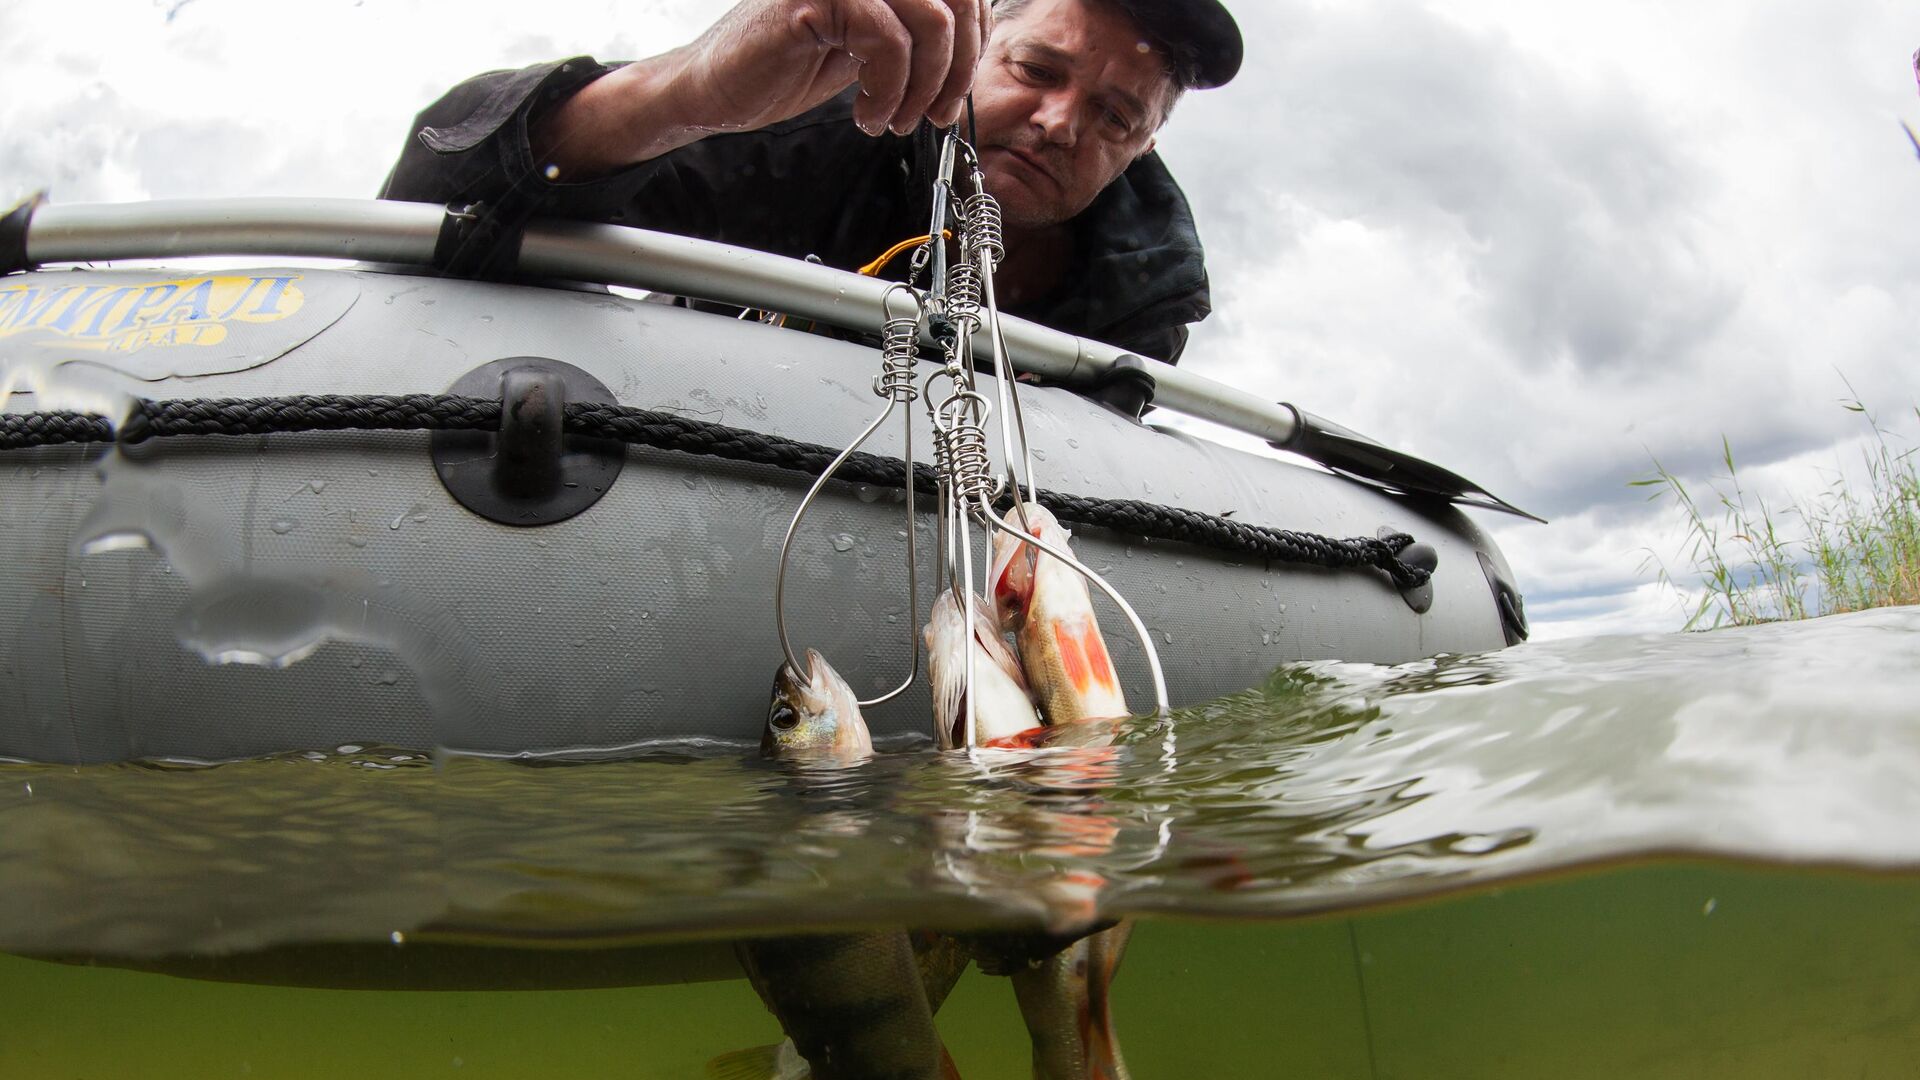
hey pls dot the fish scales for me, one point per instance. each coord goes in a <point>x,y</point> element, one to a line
<point>853,1004</point>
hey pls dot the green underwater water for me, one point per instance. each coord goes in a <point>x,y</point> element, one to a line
<point>1646,970</point>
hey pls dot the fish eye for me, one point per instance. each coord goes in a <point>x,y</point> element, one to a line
<point>784,718</point>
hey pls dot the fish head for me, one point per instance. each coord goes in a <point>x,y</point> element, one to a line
<point>1010,581</point>
<point>1002,703</point>
<point>815,716</point>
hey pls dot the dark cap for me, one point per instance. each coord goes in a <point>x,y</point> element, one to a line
<point>1198,36</point>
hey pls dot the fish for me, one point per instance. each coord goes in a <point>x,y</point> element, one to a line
<point>1065,1001</point>
<point>815,717</point>
<point>1003,712</point>
<point>1044,603</point>
<point>854,1006</point>
<point>941,959</point>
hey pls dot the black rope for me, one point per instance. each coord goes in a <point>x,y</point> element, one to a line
<point>671,431</point>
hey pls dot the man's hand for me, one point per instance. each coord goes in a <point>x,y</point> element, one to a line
<point>766,61</point>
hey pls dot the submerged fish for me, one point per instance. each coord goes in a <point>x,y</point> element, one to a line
<point>941,960</point>
<point>815,717</point>
<point>1044,602</point>
<point>1002,705</point>
<point>853,1006</point>
<point>1064,1000</point>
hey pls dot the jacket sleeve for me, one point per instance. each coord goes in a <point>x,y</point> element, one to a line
<point>472,145</point>
<point>1166,343</point>
<point>759,189</point>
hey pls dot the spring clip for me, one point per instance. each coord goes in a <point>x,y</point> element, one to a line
<point>958,304</point>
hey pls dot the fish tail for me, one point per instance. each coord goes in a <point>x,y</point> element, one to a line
<point>1103,963</point>
<point>779,1061</point>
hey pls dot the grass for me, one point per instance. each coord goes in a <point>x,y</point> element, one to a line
<point>1848,548</point>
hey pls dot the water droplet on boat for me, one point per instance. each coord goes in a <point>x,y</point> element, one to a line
<point>867,493</point>
<point>318,486</point>
<point>1166,636</point>
<point>1039,454</point>
<point>128,540</point>
<point>397,938</point>
<point>356,540</point>
<point>1266,639</point>
<point>1283,609</point>
<point>356,661</point>
<point>578,643</point>
<point>1707,908</point>
<point>283,526</point>
<point>395,523</point>
<point>1075,443</point>
<point>843,542</point>
<point>388,678</point>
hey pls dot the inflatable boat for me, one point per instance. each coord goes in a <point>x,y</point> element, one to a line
<point>247,509</point>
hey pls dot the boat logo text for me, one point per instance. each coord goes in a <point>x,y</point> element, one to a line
<point>125,317</point>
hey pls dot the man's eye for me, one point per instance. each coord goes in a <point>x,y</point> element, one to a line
<point>1035,72</point>
<point>1118,122</point>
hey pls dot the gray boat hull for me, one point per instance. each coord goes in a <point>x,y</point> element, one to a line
<point>231,596</point>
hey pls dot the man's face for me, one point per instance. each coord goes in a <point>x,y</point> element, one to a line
<point>1067,96</point>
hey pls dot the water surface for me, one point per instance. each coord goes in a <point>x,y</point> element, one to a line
<point>1652,855</point>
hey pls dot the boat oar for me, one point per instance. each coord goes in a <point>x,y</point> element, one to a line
<point>1352,454</point>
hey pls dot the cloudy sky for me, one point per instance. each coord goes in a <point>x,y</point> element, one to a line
<point>1539,243</point>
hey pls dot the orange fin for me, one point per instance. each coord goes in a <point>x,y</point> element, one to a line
<point>1098,662</point>
<point>1073,658</point>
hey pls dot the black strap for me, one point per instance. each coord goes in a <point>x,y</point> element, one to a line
<point>672,431</point>
<point>478,241</point>
<point>13,235</point>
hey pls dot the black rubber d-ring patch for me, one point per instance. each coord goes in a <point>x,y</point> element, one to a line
<point>528,472</point>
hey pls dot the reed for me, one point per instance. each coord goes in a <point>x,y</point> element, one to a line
<point>1848,547</point>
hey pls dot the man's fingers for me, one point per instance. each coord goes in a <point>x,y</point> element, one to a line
<point>931,24</point>
<point>877,38</point>
<point>973,20</point>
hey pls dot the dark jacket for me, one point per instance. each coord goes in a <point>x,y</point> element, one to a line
<point>812,185</point>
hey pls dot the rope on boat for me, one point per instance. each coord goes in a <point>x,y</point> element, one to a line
<point>670,431</point>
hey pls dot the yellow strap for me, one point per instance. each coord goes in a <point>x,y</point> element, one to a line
<point>873,268</point>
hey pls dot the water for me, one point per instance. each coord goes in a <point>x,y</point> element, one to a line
<point>1675,855</point>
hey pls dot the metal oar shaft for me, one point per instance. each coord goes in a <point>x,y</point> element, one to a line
<point>397,232</point>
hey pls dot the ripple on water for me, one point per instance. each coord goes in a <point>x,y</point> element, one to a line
<point>1331,785</point>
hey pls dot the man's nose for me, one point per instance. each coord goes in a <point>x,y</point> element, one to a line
<point>1058,117</point>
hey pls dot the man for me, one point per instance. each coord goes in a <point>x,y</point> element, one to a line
<point>797,126</point>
